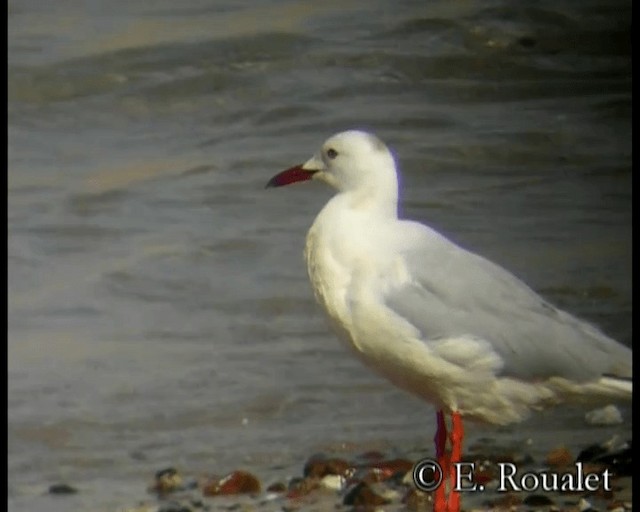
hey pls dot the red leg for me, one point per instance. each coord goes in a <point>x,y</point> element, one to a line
<point>457,435</point>
<point>439,496</point>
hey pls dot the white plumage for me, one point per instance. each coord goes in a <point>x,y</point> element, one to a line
<point>438,321</point>
<point>435,319</point>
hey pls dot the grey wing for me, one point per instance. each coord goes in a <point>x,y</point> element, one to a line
<point>455,293</point>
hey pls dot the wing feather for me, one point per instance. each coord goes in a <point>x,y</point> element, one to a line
<point>453,293</point>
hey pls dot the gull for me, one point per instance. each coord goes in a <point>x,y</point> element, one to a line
<point>436,320</point>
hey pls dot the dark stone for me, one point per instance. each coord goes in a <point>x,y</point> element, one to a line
<point>166,472</point>
<point>60,489</point>
<point>361,495</point>
<point>277,487</point>
<point>620,462</point>
<point>537,500</point>
<point>590,453</point>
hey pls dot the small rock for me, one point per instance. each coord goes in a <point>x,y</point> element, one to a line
<point>559,457</point>
<point>361,495</point>
<point>609,415</point>
<point>483,476</point>
<point>166,481</point>
<point>372,455</point>
<point>538,500</point>
<point>416,501</point>
<point>277,487</point>
<point>590,453</point>
<point>299,487</point>
<point>584,505</point>
<point>619,461</point>
<point>389,468</point>
<point>61,489</point>
<point>237,482</point>
<point>367,475</point>
<point>407,479</point>
<point>317,467</point>
<point>333,482</point>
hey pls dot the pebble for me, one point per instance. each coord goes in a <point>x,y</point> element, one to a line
<point>166,481</point>
<point>318,466</point>
<point>372,455</point>
<point>333,482</point>
<point>299,487</point>
<point>584,505</point>
<point>483,476</point>
<point>537,500</point>
<point>61,489</point>
<point>389,468</point>
<point>371,482</point>
<point>277,487</point>
<point>361,495</point>
<point>237,482</point>
<point>590,453</point>
<point>609,455</point>
<point>559,457</point>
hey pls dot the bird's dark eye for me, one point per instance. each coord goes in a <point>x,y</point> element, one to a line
<point>332,153</point>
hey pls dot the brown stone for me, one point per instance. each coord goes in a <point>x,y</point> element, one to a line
<point>388,468</point>
<point>616,504</point>
<point>317,468</point>
<point>483,476</point>
<point>559,457</point>
<point>416,501</point>
<point>369,476</point>
<point>237,482</point>
<point>372,455</point>
<point>301,487</point>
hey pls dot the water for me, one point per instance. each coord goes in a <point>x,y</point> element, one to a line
<point>159,310</point>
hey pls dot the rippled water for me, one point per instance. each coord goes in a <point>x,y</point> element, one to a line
<point>159,311</point>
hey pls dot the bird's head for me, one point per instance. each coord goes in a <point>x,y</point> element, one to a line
<point>348,161</point>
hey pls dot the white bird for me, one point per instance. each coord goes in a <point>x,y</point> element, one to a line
<point>435,319</point>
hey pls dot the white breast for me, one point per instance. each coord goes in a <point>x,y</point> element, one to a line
<point>329,278</point>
